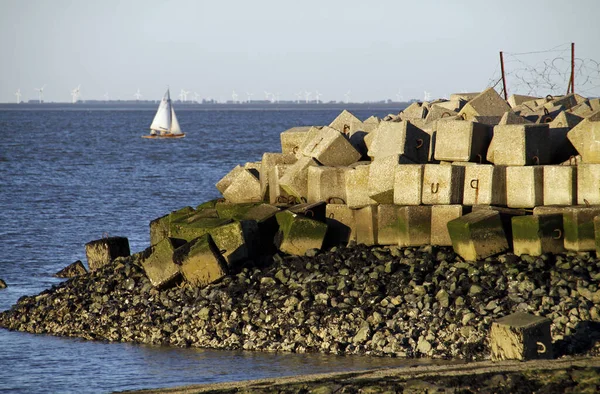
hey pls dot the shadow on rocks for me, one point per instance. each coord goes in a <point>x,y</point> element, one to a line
<point>585,337</point>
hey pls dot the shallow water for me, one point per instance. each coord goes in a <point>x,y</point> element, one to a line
<point>68,177</point>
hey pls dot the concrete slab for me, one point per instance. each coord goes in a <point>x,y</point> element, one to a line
<point>314,210</point>
<point>535,235</point>
<point>102,251</point>
<point>521,336</point>
<point>365,219</point>
<point>311,134</point>
<point>487,103</point>
<point>295,180</point>
<point>299,233</point>
<point>331,148</point>
<point>438,111</point>
<point>460,140</point>
<point>588,184</point>
<point>478,235</point>
<point>399,138</point>
<point>443,184</point>
<point>190,228</point>
<point>578,224</point>
<point>585,137</point>
<point>524,186</point>
<point>158,264</point>
<point>414,225</point>
<point>560,185</point>
<point>327,184</point>
<point>270,160</point>
<point>201,262</point>
<point>408,184</point>
<point>388,229</point>
<point>485,184</point>
<point>357,187</point>
<point>292,139</point>
<point>519,145</point>
<point>245,187</point>
<point>440,216</point>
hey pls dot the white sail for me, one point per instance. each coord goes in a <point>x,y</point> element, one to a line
<point>175,129</point>
<point>162,119</point>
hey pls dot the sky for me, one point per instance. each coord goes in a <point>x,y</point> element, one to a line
<point>353,50</point>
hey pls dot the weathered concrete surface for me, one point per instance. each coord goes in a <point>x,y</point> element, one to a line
<point>381,178</point>
<point>521,336</point>
<point>244,187</point>
<point>158,264</point>
<point>520,145</point>
<point>408,184</point>
<point>365,219</point>
<point>538,234</point>
<point>578,223</point>
<point>414,224</point>
<point>224,183</point>
<point>72,270</point>
<point>524,186</point>
<point>440,216</point>
<point>160,227</point>
<point>485,184</point>
<point>518,99</point>
<point>292,139</point>
<point>237,241</point>
<point>588,184</point>
<point>560,185</point>
<point>346,123</point>
<point>268,162</point>
<point>341,227</point>
<point>562,148</point>
<point>105,250</point>
<point>295,179</point>
<point>486,103</point>
<point>478,235</point>
<point>327,184</point>
<point>399,138</point>
<point>388,228</point>
<point>357,187</point>
<point>331,148</point>
<point>201,262</point>
<point>585,137</point>
<point>443,184</point>
<point>299,233</point>
<point>276,192</point>
<point>460,140</point>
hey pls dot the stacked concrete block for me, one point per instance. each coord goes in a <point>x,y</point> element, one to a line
<point>387,224</point>
<point>331,148</point>
<point>478,235</point>
<point>518,99</point>
<point>597,234</point>
<point>524,186</point>
<point>295,180</point>
<point>414,225</point>
<point>327,184</point>
<point>346,123</point>
<point>519,145</point>
<point>244,187</point>
<point>408,184</point>
<point>521,336</point>
<point>224,183</point>
<point>460,140</point>
<point>585,137</point>
<point>201,261</point>
<point>189,228</point>
<point>311,134</point>
<point>158,264</point>
<point>276,193</point>
<point>341,227</point>
<point>485,184</point>
<point>381,178</point>
<point>102,251</point>
<point>237,241</point>
<point>440,216</point>
<point>487,103</point>
<point>399,138</point>
<point>562,148</point>
<point>299,233</point>
<point>537,234</point>
<point>559,185</point>
<point>588,184</point>
<point>292,139</point>
<point>357,187</point>
<point>510,117</point>
<point>578,224</point>
<point>270,160</point>
<point>439,111</point>
<point>414,111</point>
<point>443,184</point>
<point>365,219</point>
<point>160,227</point>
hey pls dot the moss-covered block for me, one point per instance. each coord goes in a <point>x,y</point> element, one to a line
<point>388,229</point>
<point>201,262</point>
<point>440,216</point>
<point>578,224</point>
<point>299,233</point>
<point>414,225</point>
<point>159,228</point>
<point>237,241</point>
<point>341,227</point>
<point>210,204</point>
<point>188,230</point>
<point>102,251</point>
<point>158,264</point>
<point>478,235</point>
<point>535,235</point>
<point>244,211</point>
<point>521,336</point>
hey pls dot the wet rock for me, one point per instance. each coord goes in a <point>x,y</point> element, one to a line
<point>3,284</point>
<point>72,270</point>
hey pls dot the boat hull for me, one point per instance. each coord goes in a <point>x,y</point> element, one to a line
<point>164,136</point>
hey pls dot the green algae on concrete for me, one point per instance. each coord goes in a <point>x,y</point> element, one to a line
<point>578,223</point>
<point>102,251</point>
<point>201,262</point>
<point>245,211</point>
<point>478,235</point>
<point>299,233</point>
<point>414,225</point>
<point>237,241</point>
<point>159,228</point>
<point>440,216</point>
<point>536,235</point>
<point>158,264</point>
<point>197,228</point>
<point>388,229</point>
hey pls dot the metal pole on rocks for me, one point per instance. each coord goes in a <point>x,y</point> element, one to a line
<point>503,76</point>
<point>572,67</point>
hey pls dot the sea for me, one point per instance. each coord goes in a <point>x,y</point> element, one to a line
<point>70,175</point>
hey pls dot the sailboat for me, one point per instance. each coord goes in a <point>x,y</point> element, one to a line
<point>165,124</point>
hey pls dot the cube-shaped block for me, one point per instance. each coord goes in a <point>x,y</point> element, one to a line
<point>578,224</point>
<point>295,180</point>
<point>158,264</point>
<point>237,241</point>
<point>486,103</point>
<point>270,160</point>
<point>485,184</point>
<point>521,336</point>
<point>538,234</point>
<point>408,184</point>
<point>292,139</point>
<point>357,187</point>
<point>478,235</point>
<point>276,193</point>
<point>519,145</point>
<point>244,187</point>
<point>247,211</point>
<point>365,220</point>
<point>414,224</point>
<point>341,227</point>
<point>102,251</point>
<point>462,140</point>
<point>189,228</point>
<point>588,184</point>
<point>331,148</point>
<point>399,138</point>
<point>201,262</point>
<point>443,184</point>
<point>440,216</point>
<point>560,185</point>
<point>381,179</point>
<point>524,186</point>
<point>346,123</point>
<point>160,227</point>
<point>327,184</point>
<point>299,233</point>
<point>224,183</point>
<point>388,229</point>
<point>585,137</point>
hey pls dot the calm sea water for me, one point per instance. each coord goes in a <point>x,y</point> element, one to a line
<point>69,176</point>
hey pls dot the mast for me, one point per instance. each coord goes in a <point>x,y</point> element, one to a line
<point>162,119</point>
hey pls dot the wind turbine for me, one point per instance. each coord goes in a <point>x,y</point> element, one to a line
<point>18,94</point>
<point>249,96</point>
<point>75,94</point>
<point>234,96</point>
<point>347,95</point>
<point>427,96</point>
<point>106,96</point>
<point>138,95</point>
<point>41,93</point>
<point>183,95</point>
<point>307,96</point>
<point>196,97</point>
<point>318,94</point>
<point>269,96</point>
<point>399,96</point>
<point>298,97</point>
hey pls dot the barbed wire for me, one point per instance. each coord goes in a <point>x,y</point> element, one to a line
<point>539,73</point>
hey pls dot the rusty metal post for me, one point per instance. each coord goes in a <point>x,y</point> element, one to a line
<point>572,67</point>
<point>503,76</point>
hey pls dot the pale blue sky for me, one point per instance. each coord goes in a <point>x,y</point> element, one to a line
<point>375,49</point>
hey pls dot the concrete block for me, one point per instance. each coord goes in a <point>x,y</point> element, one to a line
<point>245,211</point>
<point>568,101</point>
<point>399,138</point>
<point>201,262</point>
<point>72,270</point>
<point>314,210</point>
<point>440,216</point>
<point>414,111</point>
<point>478,235</point>
<point>510,117</point>
<point>438,111</point>
<point>519,145</point>
<point>158,264</point>
<point>443,184</point>
<point>276,193</point>
<point>485,184</point>
<point>346,123</point>
<point>408,184</point>
<point>464,96</point>
<point>245,187</point>
<point>486,103</point>
<point>270,160</point>
<point>560,185</point>
<point>160,227</point>
<point>518,99</point>
<point>357,187</point>
<point>388,227</point>
<point>237,241</point>
<point>535,235</point>
<point>295,180</point>
<point>299,233</point>
<point>341,227</point>
<point>381,179</point>
<point>578,224</point>
<point>524,186</point>
<point>585,137</point>
<point>414,224</point>
<point>331,148</point>
<point>189,228</point>
<point>292,139</point>
<point>562,148</point>
<point>224,183</point>
<point>365,220</point>
<point>461,140</point>
<point>521,336</point>
<point>102,251</point>
<point>588,184</point>
<point>327,184</point>
<point>597,234</point>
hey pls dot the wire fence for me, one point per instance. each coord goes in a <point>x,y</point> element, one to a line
<point>539,73</point>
